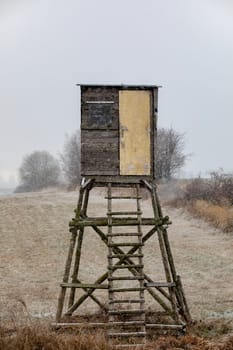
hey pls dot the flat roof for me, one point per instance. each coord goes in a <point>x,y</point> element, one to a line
<point>123,86</point>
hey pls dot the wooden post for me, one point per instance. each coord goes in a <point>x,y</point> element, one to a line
<point>174,292</point>
<point>81,210</point>
<point>66,276</point>
<point>167,260</point>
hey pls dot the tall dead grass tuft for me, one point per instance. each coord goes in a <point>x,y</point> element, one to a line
<point>41,337</point>
<point>220,216</point>
<point>210,199</point>
<point>228,345</point>
<point>188,342</point>
<point>211,329</point>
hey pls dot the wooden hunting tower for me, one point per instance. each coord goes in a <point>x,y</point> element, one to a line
<point>118,129</point>
<point>118,144</point>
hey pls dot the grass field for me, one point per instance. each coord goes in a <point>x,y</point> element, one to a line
<point>34,240</point>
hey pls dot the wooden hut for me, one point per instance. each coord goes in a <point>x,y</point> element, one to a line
<point>118,131</point>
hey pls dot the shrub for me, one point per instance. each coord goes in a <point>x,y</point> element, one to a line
<point>217,190</point>
<point>37,171</point>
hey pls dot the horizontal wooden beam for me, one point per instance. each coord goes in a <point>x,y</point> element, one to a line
<point>127,221</point>
<point>166,326</point>
<point>160,284</point>
<point>84,285</point>
<point>118,180</point>
<point>110,324</point>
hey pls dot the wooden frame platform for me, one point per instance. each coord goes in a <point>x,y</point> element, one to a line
<point>168,294</point>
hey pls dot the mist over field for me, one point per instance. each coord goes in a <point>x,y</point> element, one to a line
<point>35,244</point>
<point>5,191</point>
<point>49,47</point>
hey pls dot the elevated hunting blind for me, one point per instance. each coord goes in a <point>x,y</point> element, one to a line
<point>118,144</point>
<point>118,129</point>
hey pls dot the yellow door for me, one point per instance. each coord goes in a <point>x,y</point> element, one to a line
<point>135,149</point>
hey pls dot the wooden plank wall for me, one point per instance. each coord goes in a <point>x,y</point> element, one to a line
<point>100,131</point>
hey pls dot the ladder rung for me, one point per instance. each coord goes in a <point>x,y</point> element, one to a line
<point>133,289</point>
<point>117,221</point>
<point>124,213</point>
<point>128,266</point>
<point>84,285</point>
<point>126,278</point>
<point>160,284</point>
<point>128,301</point>
<point>127,346</point>
<point>130,334</point>
<point>127,244</point>
<point>124,197</point>
<point>125,255</point>
<point>166,326</point>
<point>126,312</point>
<point>126,323</point>
<point>120,234</point>
<point>120,324</point>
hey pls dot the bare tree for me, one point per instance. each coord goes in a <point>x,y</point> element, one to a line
<point>38,170</point>
<point>170,155</point>
<point>70,159</point>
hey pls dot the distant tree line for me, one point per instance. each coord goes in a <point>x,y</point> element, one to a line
<point>41,170</point>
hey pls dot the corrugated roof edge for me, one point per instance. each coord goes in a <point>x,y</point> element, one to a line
<point>121,85</point>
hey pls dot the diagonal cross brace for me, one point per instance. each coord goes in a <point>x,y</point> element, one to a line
<point>126,259</point>
<point>121,261</point>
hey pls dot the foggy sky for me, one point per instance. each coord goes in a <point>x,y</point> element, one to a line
<point>47,46</point>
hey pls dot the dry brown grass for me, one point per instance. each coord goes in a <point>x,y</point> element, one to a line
<point>33,245</point>
<point>209,199</point>
<point>211,330</point>
<point>220,216</point>
<point>42,337</point>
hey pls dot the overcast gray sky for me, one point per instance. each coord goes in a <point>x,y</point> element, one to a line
<point>47,46</point>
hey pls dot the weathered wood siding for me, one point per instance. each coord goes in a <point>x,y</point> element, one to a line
<point>154,119</point>
<point>100,152</point>
<point>100,131</point>
<point>106,149</point>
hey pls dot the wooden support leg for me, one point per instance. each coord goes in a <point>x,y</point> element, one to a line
<point>178,290</point>
<point>66,276</point>
<point>81,210</point>
<point>74,231</point>
<point>167,260</point>
<point>185,308</point>
<point>168,274</point>
<point>166,255</point>
<point>76,266</point>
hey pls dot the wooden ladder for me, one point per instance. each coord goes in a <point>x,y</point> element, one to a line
<point>127,281</point>
<point>126,315</point>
